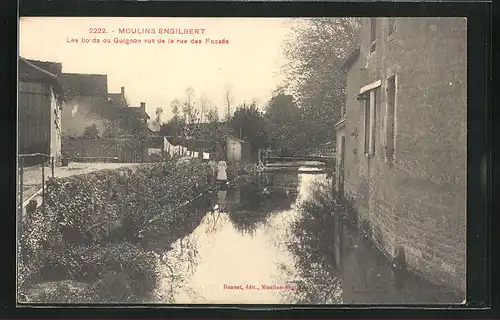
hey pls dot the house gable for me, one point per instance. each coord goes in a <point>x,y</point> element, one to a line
<point>31,71</point>
<point>93,85</point>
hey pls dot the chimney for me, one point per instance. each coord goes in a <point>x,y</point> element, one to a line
<point>143,106</point>
<point>123,91</point>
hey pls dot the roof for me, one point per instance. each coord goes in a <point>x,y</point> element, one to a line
<point>192,144</point>
<point>351,59</point>
<point>174,140</point>
<point>76,84</point>
<point>52,67</point>
<point>136,111</point>
<point>153,127</point>
<point>31,70</point>
<point>102,106</point>
<point>116,99</point>
<point>234,138</point>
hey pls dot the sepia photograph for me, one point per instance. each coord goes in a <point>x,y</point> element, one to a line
<point>296,161</point>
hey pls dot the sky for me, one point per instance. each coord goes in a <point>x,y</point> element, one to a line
<point>156,73</point>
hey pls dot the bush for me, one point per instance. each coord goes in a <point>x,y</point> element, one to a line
<point>66,291</point>
<point>91,226</point>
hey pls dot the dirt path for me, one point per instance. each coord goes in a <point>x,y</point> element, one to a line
<point>32,176</point>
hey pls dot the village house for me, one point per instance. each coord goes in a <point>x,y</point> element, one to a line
<point>132,119</point>
<point>87,104</point>
<point>101,125</point>
<point>401,143</point>
<point>118,100</point>
<point>39,109</point>
<point>237,149</point>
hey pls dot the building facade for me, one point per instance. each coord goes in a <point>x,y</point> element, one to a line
<point>39,109</point>
<point>401,143</point>
<point>237,149</point>
<point>87,104</point>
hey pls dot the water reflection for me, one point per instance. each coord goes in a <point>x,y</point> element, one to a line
<point>254,201</point>
<point>282,230</point>
<point>337,264</point>
<point>314,246</point>
<point>368,277</point>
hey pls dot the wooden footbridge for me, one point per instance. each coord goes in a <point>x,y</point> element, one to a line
<point>324,159</point>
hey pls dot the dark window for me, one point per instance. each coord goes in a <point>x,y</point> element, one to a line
<point>370,121</point>
<point>373,34</point>
<point>373,123</point>
<point>341,166</point>
<point>367,123</point>
<point>391,106</point>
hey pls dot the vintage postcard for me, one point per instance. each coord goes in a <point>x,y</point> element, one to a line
<point>315,161</point>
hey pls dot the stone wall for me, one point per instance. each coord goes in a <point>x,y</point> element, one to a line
<point>417,200</point>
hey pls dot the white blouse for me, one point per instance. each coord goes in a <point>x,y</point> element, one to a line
<point>221,170</point>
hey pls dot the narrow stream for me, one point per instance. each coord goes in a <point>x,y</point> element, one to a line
<point>242,253</point>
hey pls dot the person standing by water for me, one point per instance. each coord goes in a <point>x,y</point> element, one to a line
<point>213,166</point>
<point>222,174</point>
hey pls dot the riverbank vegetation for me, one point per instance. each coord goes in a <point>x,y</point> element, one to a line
<point>89,242</point>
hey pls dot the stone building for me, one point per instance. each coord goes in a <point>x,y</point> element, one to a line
<point>401,142</point>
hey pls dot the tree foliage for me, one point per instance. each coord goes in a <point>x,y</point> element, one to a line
<point>317,52</point>
<point>284,125</point>
<point>91,132</point>
<point>175,105</point>
<point>191,115</point>
<point>250,122</point>
<point>173,127</point>
<point>158,117</point>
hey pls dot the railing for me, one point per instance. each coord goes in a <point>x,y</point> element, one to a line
<point>43,157</point>
<point>96,159</point>
<point>298,158</point>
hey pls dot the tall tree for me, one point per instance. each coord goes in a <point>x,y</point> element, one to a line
<point>228,97</point>
<point>249,122</point>
<point>317,50</point>
<point>187,108</point>
<point>204,106</point>
<point>212,115</point>
<point>157,122</point>
<point>284,125</point>
<point>140,136</point>
<point>175,126</point>
<point>176,105</point>
<point>192,115</point>
<point>214,130</point>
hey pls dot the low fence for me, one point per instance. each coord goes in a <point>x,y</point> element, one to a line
<point>43,159</point>
<point>103,150</point>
